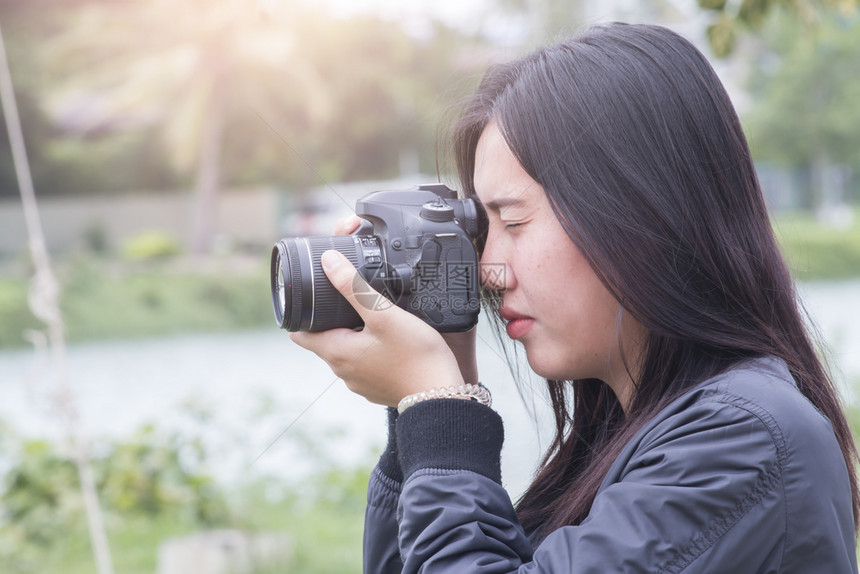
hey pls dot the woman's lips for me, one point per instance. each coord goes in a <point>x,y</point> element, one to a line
<point>519,327</point>
<point>518,324</point>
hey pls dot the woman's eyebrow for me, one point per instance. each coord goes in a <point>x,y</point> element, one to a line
<point>497,204</point>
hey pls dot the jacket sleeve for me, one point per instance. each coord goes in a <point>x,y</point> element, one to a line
<point>381,554</point>
<point>688,484</point>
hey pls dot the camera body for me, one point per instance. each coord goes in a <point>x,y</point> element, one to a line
<point>415,246</point>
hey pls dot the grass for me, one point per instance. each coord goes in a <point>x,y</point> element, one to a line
<point>103,300</point>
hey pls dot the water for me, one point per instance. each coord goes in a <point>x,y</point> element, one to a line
<point>260,387</point>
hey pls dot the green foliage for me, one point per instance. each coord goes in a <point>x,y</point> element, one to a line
<point>817,251</point>
<point>151,245</point>
<point>806,92</point>
<point>730,19</point>
<point>149,478</point>
<point>153,473</point>
<point>722,35</point>
<point>40,498</point>
<point>155,485</point>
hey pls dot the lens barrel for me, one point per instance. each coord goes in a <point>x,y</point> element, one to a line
<point>302,296</point>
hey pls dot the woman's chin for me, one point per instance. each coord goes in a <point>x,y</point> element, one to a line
<point>544,365</point>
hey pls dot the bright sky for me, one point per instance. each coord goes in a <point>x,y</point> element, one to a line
<point>491,21</point>
<point>482,17</point>
<point>486,18</point>
<point>451,11</point>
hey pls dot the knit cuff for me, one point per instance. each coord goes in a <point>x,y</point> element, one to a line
<point>388,462</point>
<point>450,434</point>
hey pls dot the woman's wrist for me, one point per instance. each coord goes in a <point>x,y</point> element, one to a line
<point>450,435</point>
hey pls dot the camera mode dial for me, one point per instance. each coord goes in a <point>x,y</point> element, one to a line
<point>437,211</point>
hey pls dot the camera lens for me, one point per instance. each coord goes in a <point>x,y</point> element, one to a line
<point>281,301</point>
<point>302,296</point>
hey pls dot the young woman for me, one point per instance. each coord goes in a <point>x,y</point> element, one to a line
<point>697,430</point>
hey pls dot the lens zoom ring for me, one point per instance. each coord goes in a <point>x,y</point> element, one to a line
<point>330,308</point>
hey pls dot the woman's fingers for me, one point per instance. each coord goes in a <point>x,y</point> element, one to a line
<point>349,283</point>
<point>347,225</point>
<point>395,355</point>
<point>340,348</point>
<point>358,293</point>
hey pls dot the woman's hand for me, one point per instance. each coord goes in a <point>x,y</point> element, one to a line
<point>396,354</point>
<point>461,344</point>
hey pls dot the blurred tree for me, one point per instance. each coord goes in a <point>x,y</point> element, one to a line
<point>729,19</point>
<point>805,91</point>
<point>63,163</point>
<point>271,92</point>
<point>185,67</point>
<point>15,17</point>
<point>388,91</point>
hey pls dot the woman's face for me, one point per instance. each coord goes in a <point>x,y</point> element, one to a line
<point>552,300</point>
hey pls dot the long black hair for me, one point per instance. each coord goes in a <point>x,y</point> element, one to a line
<point>637,146</point>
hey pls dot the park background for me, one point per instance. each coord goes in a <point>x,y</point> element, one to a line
<point>171,143</point>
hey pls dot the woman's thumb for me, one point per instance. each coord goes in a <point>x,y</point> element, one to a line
<point>339,274</point>
<point>349,282</point>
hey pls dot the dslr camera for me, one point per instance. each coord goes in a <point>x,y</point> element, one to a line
<point>417,247</point>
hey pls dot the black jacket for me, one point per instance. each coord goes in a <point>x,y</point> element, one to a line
<point>741,474</point>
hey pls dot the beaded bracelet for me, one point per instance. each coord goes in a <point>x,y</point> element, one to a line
<point>469,391</point>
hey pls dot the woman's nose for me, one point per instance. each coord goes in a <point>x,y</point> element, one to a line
<point>496,275</point>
